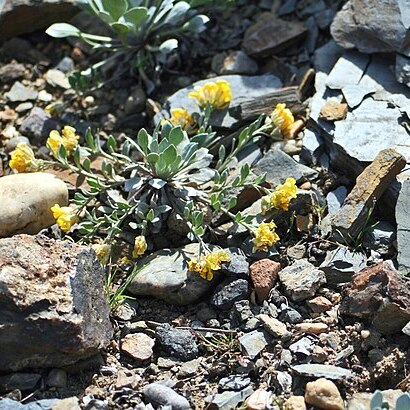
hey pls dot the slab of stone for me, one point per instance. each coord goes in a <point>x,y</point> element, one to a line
<point>57,78</point>
<point>234,382</point>
<point>25,202</point>
<point>326,56</point>
<point>381,295</point>
<point>228,400</point>
<point>254,342</point>
<point>236,62</point>
<point>278,166</point>
<point>370,185</point>
<point>403,227</point>
<point>242,88</point>
<point>322,370</point>
<point>20,381</point>
<point>52,293</point>
<point>38,124</point>
<point>335,199</point>
<point>19,92</point>
<point>161,395</point>
<point>381,237</point>
<point>301,280</point>
<point>271,35</point>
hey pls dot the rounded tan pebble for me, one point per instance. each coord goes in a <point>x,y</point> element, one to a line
<point>324,394</point>
<point>365,334</point>
<point>315,328</point>
<point>138,346</point>
<point>295,403</point>
<point>319,304</point>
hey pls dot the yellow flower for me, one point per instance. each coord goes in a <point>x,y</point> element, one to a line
<point>282,118</point>
<point>283,194</point>
<point>68,138</point>
<point>181,117</point>
<point>125,260</point>
<point>265,236</point>
<point>205,265</point>
<point>65,216</point>
<point>216,94</point>
<point>23,159</point>
<point>140,246</point>
<point>102,251</point>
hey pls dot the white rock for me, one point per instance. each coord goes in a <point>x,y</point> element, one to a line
<point>25,202</point>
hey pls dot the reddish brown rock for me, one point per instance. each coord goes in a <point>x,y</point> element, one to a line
<point>264,274</point>
<point>138,346</point>
<point>380,294</point>
<point>333,111</point>
<point>319,304</point>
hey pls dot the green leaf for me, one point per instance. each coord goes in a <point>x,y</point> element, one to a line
<point>177,15</point>
<point>199,230</point>
<point>197,24</point>
<point>89,139</point>
<point>106,17</point>
<point>244,171</point>
<point>143,140</point>
<point>169,155</point>
<point>62,153</point>
<point>197,217</point>
<point>168,46</point>
<point>76,157</point>
<point>136,16</point>
<point>87,165</point>
<point>232,203</point>
<point>238,217</point>
<point>116,8</point>
<point>150,215</point>
<point>121,28</point>
<point>61,30</point>
<point>111,144</point>
<point>176,136</point>
<point>152,157</point>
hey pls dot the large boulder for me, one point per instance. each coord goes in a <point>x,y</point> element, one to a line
<point>24,16</point>
<point>53,311</point>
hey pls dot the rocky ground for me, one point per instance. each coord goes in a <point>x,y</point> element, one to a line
<point>322,321</point>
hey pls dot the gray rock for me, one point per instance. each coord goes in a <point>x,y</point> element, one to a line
<point>301,280</point>
<point>403,227</point>
<point>160,395</point>
<point>303,346</point>
<point>165,275</point>
<point>52,292</point>
<point>23,107</point>
<point>278,166</point>
<point>406,329</point>
<point>178,343</point>
<point>242,311</point>
<point>45,404</point>
<point>228,292</point>
<point>20,381</point>
<point>189,369</point>
<point>19,92</point>
<point>403,69</point>
<point>38,124</point>
<point>20,50</point>
<point>335,199</point>
<point>12,143</point>
<point>326,56</point>
<point>11,72</point>
<point>380,238</point>
<point>341,264</point>
<point>238,266</point>
<point>287,7</point>
<point>66,65</point>
<point>322,370</point>
<point>57,78</point>
<point>234,382</point>
<point>57,378</point>
<point>312,35</point>
<point>254,342</point>
<point>242,88</point>
<point>290,315</point>
<point>313,147</point>
<point>229,399</point>
<point>26,199</point>
<point>236,62</point>
<point>251,324</point>
<point>136,101</point>
<point>25,16</point>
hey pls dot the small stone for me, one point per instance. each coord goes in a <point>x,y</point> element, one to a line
<point>160,395</point>
<point>20,92</point>
<point>296,251</point>
<point>234,382</point>
<point>57,78</point>
<point>322,370</point>
<point>242,311</point>
<point>189,369</point>
<point>319,355</point>
<point>290,315</point>
<point>319,304</point>
<point>295,403</point>
<point>302,346</point>
<point>138,346</point>
<point>259,400</point>
<point>8,115</point>
<point>251,324</point>
<point>44,96</point>
<point>71,403</point>
<point>177,342</point>
<point>254,342</point>
<point>301,280</point>
<point>381,237</point>
<point>273,326</point>
<point>228,292</point>
<point>236,62</point>
<point>135,102</point>
<point>38,124</point>
<point>324,394</point>
<point>57,378</point>
<point>127,378</point>
<point>25,202</point>
<point>333,111</point>
<point>229,399</point>
<point>20,381</point>
<point>335,199</point>
<point>315,328</point>
<point>264,273</point>
<point>23,107</point>
<point>11,72</point>
<point>66,65</point>
<point>12,143</point>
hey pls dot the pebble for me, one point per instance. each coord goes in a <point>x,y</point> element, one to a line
<point>126,378</point>
<point>322,370</point>
<point>12,143</point>
<point>25,202</point>
<point>135,102</point>
<point>20,92</point>
<point>274,326</point>
<point>324,394</point>
<point>189,369</point>
<point>160,395</point>
<point>264,274</point>
<point>333,111</point>
<point>319,304</point>
<point>11,72</point>
<point>44,96</point>
<point>38,124</point>
<point>57,78</point>
<point>234,382</point>
<point>138,346</point>
<point>315,328</point>
<point>254,342</point>
<point>228,292</point>
<point>290,315</point>
<point>177,342</point>
<point>66,65</point>
<point>295,403</point>
<point>57,378</point>
<point>259,400</point>
<point>229,399</point>
<point>23,107</point>
<point>236,62</point>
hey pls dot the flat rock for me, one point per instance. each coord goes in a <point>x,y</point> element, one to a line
<point>370,185</point>
<point>273,326</point>
<point>403,227</point>
<point>25,16</point>
<point>271,35</point>
<point>45,404</point>
<point>322,370</point>
<point>236,62</point>
<point>11,72</point>
<point>20,92</point>
<point>228,400</point>
<point>52,292</point>
<point>57,78</point>
<point>335,199</point>
<point>165,276</point>
<point>278,166</point>
<point>25,202</point>
<point>138,346</point>
<point>301,280</point>
<point>381,295</point>
<point>333,111</point>
<point>254,342</point>
<point>38,124</point>
<point>234,382</point>
<point>326,56</point>
<point>242,88</point>
<point>160,395</point>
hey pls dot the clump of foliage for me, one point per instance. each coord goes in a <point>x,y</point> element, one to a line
<point>377,403</point>
<point>144,32</point>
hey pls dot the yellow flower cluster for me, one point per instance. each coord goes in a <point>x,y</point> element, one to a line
<point>140,246</point>
<point>68,138</point>
<point>102,251</point>
<point>181,117</point>
<point>23,159</point>
<point>65,216</point>
<point>216,94</point>
<point>281,197</point>
<point>206,265</point>
<point>282,118</point>
<point>265,236</point>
